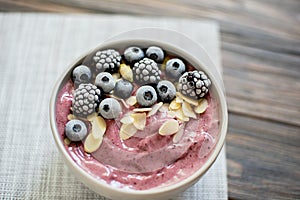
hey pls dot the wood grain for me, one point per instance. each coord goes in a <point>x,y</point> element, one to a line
<point>261,59</point>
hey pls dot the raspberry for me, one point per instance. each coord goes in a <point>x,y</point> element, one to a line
<point>86,99</point>
<point>146,71</point>
<point>194,84</point>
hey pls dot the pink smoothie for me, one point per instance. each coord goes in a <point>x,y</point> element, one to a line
<point>147,159</point>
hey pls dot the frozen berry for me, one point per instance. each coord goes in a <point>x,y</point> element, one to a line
<point>106,60</point>
<point>133,54</point>
<point>105,81</point>
<point>81,74</point>
<point>86,99</point>
<point>175,68</point>
<point>146,96</point>
<point>123,89</point>
<point>194,84</point>
<point>166,91</point>
<point>146,71</point>
<point>110,108</point>
<point>75,130</point>
<point>155,53</point>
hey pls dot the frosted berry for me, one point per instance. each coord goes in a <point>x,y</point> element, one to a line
<point>155,53</point>
<point>106,60</point>
<point>146,96</point>
<point>110,108</point>
<point>133,54</point>
<point>123,89</point>
<point>81,74</point>
<point>175,68</point>
<point>146,71</point>
<point>194,84</point>
<point>86,99</point>
<point>75,130</point>
<point>166,91</point>
<point>105,81</point>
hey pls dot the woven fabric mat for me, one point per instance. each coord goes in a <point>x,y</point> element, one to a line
<point>36,49</point>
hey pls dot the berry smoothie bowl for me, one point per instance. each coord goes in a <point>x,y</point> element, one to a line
<point>139,118</point>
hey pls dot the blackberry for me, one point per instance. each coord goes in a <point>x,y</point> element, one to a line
<point>146,71</point>
<point>194,84</point>
<point>106,60</point>
<point>86,100</point>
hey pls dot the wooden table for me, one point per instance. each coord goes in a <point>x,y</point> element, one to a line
<point>260,50</point>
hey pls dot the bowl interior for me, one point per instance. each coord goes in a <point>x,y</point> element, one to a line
<point>113,192</point>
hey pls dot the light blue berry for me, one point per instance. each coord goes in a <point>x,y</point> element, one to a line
<point>75,130</point>
<point>175,68</point>
<point>166,91</point>
<point>133,54</point>
<point>105,81</point>
<point>155,53</point>
<point>110,108</point>
<point>146,95</point>
<point>81,74</point>
<point>123,89</point>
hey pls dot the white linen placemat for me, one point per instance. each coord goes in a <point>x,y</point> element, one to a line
<point>35,50</point>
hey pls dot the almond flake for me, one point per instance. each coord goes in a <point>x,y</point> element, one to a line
<point>116,76</point>
<point>187,99</point>
<point>164,107</point>
<point>178,100</point>
<point>131,100</point>
<point>174,105</point>
<point>127,120</point>
<point>91,144</point>
<point>201,107</point>
<point>139,120</point>
<point>126,72</point>
<point>98,127</point>
<point>127,131</point>
<point>155,108</point>
<point>71,117</point>
<point>180,115</point>
<point>142,109</point>
<point>177,137</point>
<point>67,141</point>
<point>170,127</point>
<point>171,114</point>
<point>187,110</point>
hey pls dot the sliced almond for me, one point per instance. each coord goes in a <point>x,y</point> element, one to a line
<point>126,72</point>
<point>155,108</point>
<point>164,107</point>
<point>127,120</point>
<point>188,110</point>
<point>174,105</point>
<point>178,100</point>
<point>91,144</point>
<point>139,120</point>
<point>170,127</point>
<point>201,107</point>
<point>142,109</point>
<point>187,99</point>
<point>116,76</point>
<point>131,100</point>
<point>92,117</point>
<point>71,117</point>
<point>67,141</point>
<point>171,114</point>
<point>180,115</point>
<point>177,137</point>
<point>127,131</point>
<point>98,127</point>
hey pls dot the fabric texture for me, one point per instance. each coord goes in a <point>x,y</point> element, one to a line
<point>36,49</point>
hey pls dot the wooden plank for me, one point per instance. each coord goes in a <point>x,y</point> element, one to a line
<point>263,159</point>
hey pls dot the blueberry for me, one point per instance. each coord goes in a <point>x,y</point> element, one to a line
<point>155,53</point>
<point>175,68</point>
<point>75,130</point>
<point>105,81</point>
<point>133,54</point>
<point>166,91</point>
<point>110,108</point>
<point>81,74</point>
<point>123,89</point>
<point>146,95</point>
